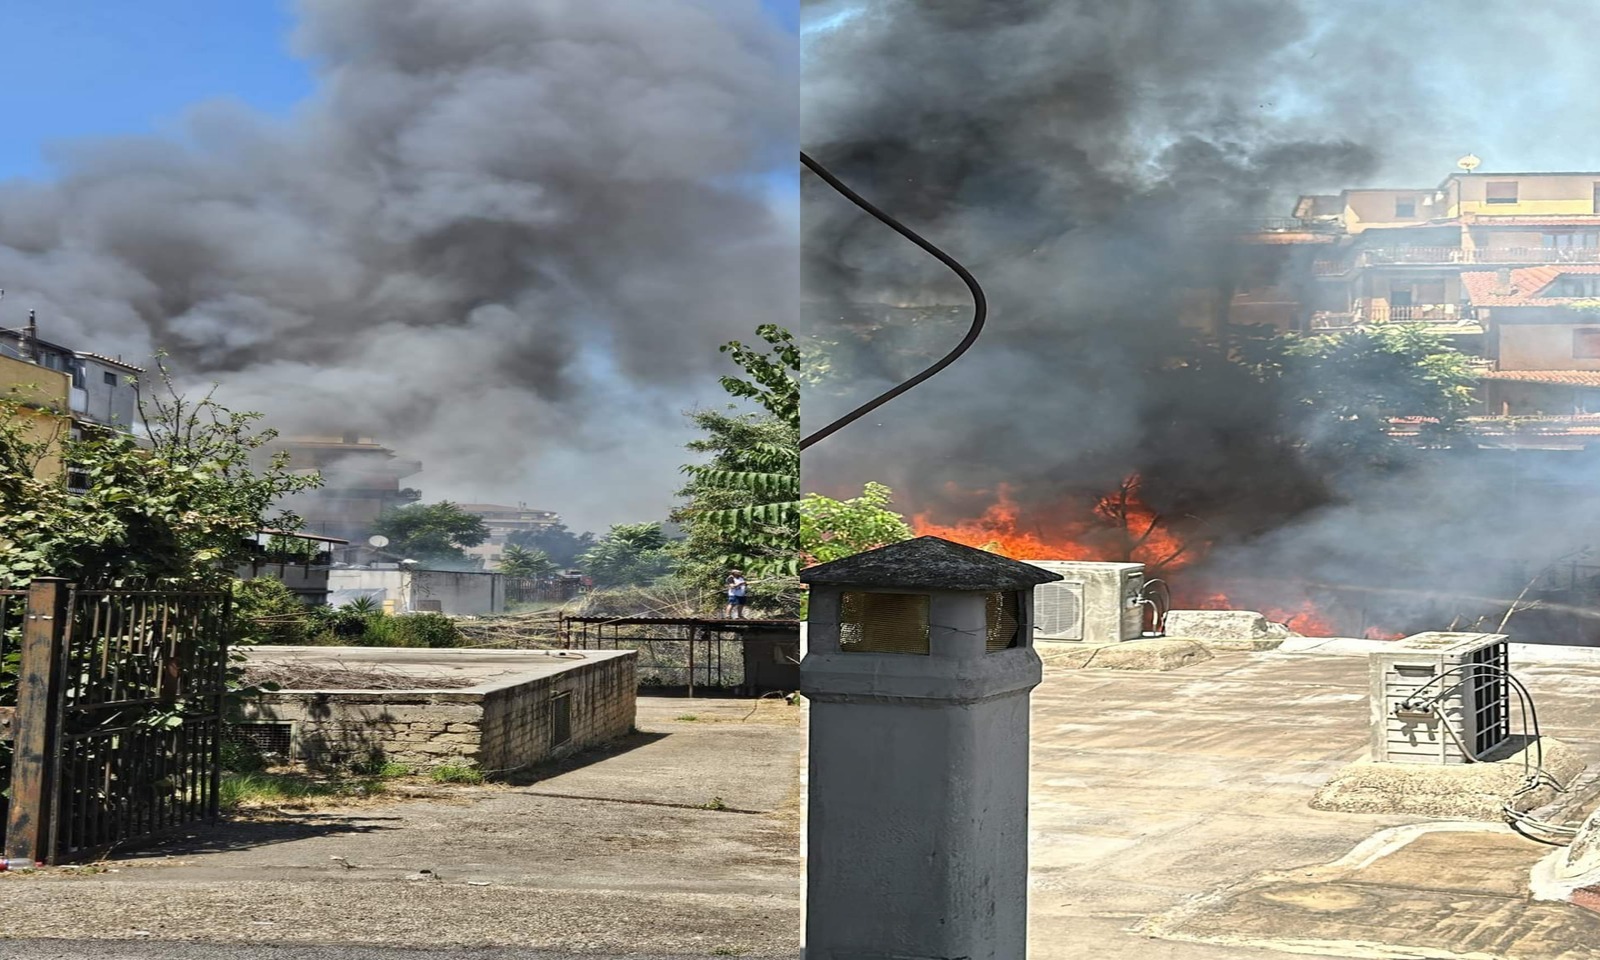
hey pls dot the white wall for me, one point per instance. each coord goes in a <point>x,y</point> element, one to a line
<point>461,593</point>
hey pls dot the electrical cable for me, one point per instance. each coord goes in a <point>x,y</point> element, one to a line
<point>979,302</point>
<point>1534,773</point>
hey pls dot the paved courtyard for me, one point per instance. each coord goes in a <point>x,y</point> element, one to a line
<point>1170,820</point>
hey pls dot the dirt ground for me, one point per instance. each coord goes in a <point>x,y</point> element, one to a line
<point>1170,820</point>
<point>683,840</point>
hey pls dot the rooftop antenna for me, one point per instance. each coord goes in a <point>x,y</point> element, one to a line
<point>1469,163</point>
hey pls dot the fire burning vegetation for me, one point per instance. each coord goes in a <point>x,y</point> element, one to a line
<point>1118,526</point>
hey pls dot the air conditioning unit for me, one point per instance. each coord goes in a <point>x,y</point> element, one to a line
<point>1093,602</point>
<point>1436,697</point>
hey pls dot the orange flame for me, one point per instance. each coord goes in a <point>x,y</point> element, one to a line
<point>1119,526</point>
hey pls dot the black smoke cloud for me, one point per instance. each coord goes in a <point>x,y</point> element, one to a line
<point>1079,156</point>
<point>505,236</point>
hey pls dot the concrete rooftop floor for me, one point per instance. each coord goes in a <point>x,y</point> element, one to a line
<point>486,668</point>
<point>1170,821</point>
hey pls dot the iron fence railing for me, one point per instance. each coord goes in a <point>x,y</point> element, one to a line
<point>118,695</point>
<point>145,674</point>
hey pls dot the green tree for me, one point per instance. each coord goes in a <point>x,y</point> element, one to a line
<point>433,533</point>
<point>832,529</point>
<point>518,561</point>
<point>742,506</point>
<point>184,503</point>
<point>562,545</point>
<point>630,555</point>
<point>1346,388</point>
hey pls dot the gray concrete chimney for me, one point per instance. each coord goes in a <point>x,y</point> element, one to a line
<point>918,669</point>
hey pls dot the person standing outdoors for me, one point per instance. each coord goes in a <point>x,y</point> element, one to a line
<point>737,588</point>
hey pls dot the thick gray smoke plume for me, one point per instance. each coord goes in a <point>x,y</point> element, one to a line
<point>1078,156</point>
<point>505,236</point>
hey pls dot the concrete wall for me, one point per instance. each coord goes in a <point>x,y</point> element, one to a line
<point>43,391</point>
<point>497,727</point>
<point>458,593</point>
<point>110,403</point>
<point>517,721</point>
<point>1369,208</point>
<point>1542,347</point>
<point>307,581</point>
<point>1545,195</point>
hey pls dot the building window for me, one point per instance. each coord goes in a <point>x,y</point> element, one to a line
<point>111,379</point>
<point>1586,344</point>
<point>1597,198</point>
<point>1500,191</point>
<point>1584,286</point>
<point>1405,209</point>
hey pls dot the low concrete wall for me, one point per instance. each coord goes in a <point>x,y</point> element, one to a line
<point>505,722</point>
<point>461,593</point>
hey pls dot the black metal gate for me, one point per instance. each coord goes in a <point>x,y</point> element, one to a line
<point>118,715</point>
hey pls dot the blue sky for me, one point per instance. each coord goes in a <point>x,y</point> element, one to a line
<point>89,68</point>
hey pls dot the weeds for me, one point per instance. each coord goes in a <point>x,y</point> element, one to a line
<point>688,718</point>
<point>715,803</point>
<point>452,773</point>
<point>240,790</point>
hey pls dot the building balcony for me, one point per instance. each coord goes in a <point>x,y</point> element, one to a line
<point>1445,256</point>
<point>1448,315</point>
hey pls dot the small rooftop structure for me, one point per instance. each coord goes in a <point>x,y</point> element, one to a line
<point>930,563</point>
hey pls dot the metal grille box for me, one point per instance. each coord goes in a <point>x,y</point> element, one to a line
<point>1438,697</point>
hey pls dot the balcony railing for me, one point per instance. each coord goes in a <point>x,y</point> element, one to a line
<point>1381,256</point>
<point>1431,313</point>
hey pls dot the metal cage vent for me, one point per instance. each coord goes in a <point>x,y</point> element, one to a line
<point>883,623</point>
<point>560,719</point>
<point>268,738</point>
<point>1003,619</point>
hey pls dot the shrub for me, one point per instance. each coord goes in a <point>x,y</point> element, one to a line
<point>454,773</point>
<point>424,630</point>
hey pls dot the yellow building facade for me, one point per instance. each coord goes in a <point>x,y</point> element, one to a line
<point>45,404</point>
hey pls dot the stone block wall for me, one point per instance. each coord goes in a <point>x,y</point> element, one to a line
<point>498,728</point>
<point>420,730</point>
<point>518,722</point>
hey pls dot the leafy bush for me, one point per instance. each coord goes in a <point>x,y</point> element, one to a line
<point>266,611</point>
<point>423,630</point>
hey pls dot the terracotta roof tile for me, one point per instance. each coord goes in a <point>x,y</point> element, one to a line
<point>1526,285</point>
<point>1573,378</point>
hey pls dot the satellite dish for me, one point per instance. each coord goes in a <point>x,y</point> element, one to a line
<point>378,541</point>
<point>1468,163</point>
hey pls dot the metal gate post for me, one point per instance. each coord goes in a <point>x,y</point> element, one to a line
<point>39,693</point>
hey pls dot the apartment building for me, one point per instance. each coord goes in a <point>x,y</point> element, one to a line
<point>361,479</point>
<point>502,521</point>
<point>1506,264</point>
<point>102,391</point>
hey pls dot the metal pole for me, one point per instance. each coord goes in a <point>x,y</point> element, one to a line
<point>691,662</point>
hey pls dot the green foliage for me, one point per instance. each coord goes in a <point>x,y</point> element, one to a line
<point>562,545</point>
<point>353,626</point>
<point>1344,388</point>
<point>432,534</point>
<point>832,529</point>
<point>742,508</point>
<point>456,773</point>
<point>266,611</point>
<point>518,561</point>
<point>433,630</point>
<point>184,504</point>
<point>630,555</point>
